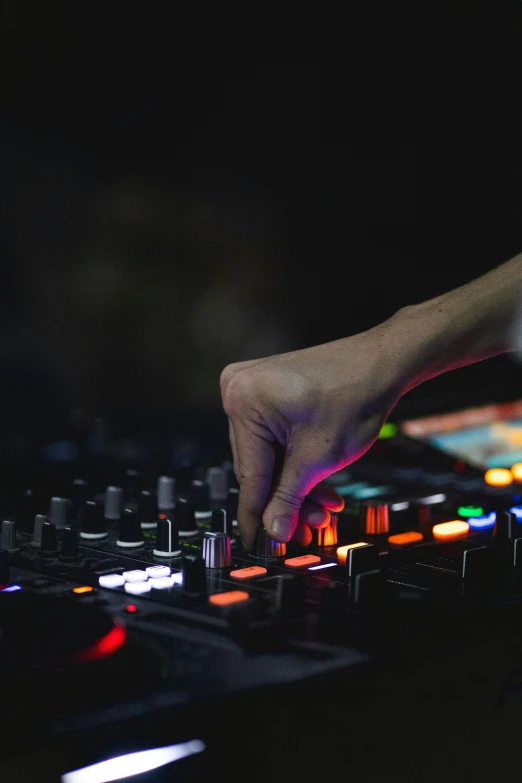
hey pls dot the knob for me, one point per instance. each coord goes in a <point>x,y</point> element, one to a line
<point>131,486</point>
<point>69,548</point>
<point>232,503</point>
<point>8,536</point>
<point>130,535</point>
<point>216,550</point>
<point>79,496</point>
<point>361,559</point>
<point>506,528</point>
<point>327,536</point>
<point>49,541</point>
<point>220,521</point>
<point>113,502</point>
<point>37,530</point>
<point>4,567</point>
<point>147,510</point>
<point>186,518</point>
<point>199,495</point>
<point>374,518</point>
<point>59,512</point>
<point>94,525</point>
<point>166,494</point>
<point>167,541</point>
<point>266,547</point>
<point>194,574</point>
<point>217,481</point>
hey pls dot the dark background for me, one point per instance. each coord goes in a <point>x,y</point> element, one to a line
<point>165,215</point>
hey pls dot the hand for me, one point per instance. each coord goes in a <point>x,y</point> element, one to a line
<point>296,418</point>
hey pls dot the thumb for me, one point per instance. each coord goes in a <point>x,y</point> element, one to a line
<point>281,514</point>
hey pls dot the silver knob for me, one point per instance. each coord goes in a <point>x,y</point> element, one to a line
<point>37,530</point>
<point>267,547</point>
<point>59,512</point>
<point>166,494</point>
<point>216,550</point>
<point>217,480</point>
<point>327,536</point>
<point>113,503</point>
<point>8,537</point>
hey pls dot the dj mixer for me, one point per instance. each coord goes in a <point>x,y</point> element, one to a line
<point>132,620</point>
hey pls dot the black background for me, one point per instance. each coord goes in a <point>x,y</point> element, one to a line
<point>168,210</point>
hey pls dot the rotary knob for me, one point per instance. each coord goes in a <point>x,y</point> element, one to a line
<point>69,549</point>
<point>374,518</point>
<point>217,481</point>
<point>266,547</point>
<point>147,510</point>
<point>113,503</point>
<point>186,518</point>
<point>166,490</point>
<point>59,512</point>
<point>8,536</point>
<point>49,544</point>
<point>216,550</point>
<point>94,525</point>
<point>167,539</point>
<point>327,536</point>
<point>130,534</point>
<point>39,520</point>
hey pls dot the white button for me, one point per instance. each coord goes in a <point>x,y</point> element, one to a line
<point>135,576</point>
<point>162,583</point>
<point>137,588</point>
<point>111,580</point>
<point>177,578</point>
<point>156,571</point>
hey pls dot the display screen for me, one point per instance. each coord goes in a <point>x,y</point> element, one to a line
<point>485,437</point>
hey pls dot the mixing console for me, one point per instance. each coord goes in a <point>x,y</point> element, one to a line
<point>131,617</point>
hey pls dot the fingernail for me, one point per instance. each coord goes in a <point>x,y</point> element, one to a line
<point>282,528</point>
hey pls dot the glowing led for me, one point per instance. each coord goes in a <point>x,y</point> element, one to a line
<point>177,578</point>
<point>135,576</point>
<point>83,589</point>
<point>388,430</point>
<point>498,477</point>
<point>401,506</point>
<point>137,588</point>
<point>482,522</point>
<point>403,539</point>
<point>470,511</point>
<point>161,582</point>
<point>11,589</point>
<point>342,551</point>
<point>517,511</point>
<point>157,571</point>
<point>446,531</point>
<point>111,580</point>
<point>228,598</point>
<point>430,500</point>
<point>516,471</point>
<point>323,565</point>
<point>132,764</point>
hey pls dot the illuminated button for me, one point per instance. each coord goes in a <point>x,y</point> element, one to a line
<point>162,582</point>
<point>137,588</point>
<point>446,531</point>
<point>516,471</point>
<point>498,477</point>
<point>482,522</point>
<point>131,608</point>
<point>430,500</point>
<point>302,560</point>
<point>403,539</point>
<point>157,571</point>
<point>111,580</point>
<point>11,589</point>
<point>135,576</point>
<point>470,511</point>
<point>177,578</point>
<point>248,573</point>
<point>83,589</point>
<point>342,551</point>
<point>227,599</point>
<point>517,511</point>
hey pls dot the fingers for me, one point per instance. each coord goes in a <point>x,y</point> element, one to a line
<point>281,514</point>
<point>302,535</point>
<point>313,514</point>
<point>327,497</point>
<point>255,466</point>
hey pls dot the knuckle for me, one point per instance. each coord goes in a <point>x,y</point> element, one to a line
<point>288,497</point>
<point>237,388</point>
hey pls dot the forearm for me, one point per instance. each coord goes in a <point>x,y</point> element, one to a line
<point>465,325</point>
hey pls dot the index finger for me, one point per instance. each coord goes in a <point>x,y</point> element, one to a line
<point>255,457</point>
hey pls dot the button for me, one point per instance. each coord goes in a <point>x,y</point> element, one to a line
<point>229,598</point>
<point>248,573</point>
<point>447,531</point>
<point>498,477</point>
<point>302,560</point>
<point>82,589</point>
<point>135,576</point>
<point>157,571</point>
<point>162,582</point>
<point>362,559</point>
<point>111,580</point>
<point>137,588</point>
<point>403,539</point>
<point>342,551</point>
<point>131,609</point>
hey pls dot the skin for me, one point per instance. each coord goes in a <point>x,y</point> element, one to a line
<point>296,418</point>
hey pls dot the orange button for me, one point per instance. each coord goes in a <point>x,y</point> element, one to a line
<point>498,477</point>
<point>83,589</point>
<point>446,531</point>
<point>342,551</point>
<point>302,560</point>
<point>226,599</point>
<point>405,538</point>
<point>248,573</point>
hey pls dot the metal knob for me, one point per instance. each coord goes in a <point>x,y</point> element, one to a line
<point>8,537</point>
<point>39,519</point>
<point>217,550</point>
<point>266,547</point>
<point>217,480</point>
<point>59,512</point>
<point>166,494</point>
<point>327,536</point>
<point>374,518</point>
<point>113,502</point>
